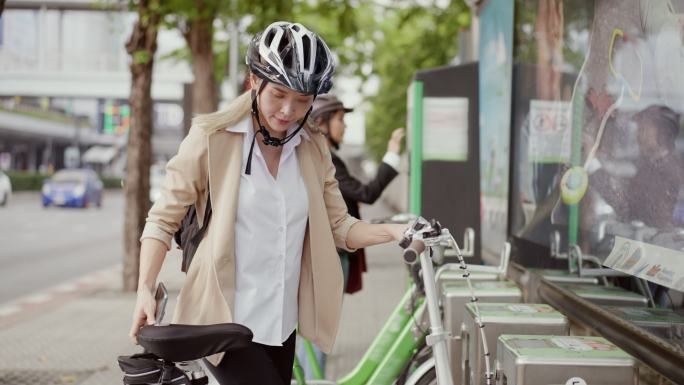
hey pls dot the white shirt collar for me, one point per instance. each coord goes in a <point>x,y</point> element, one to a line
<point>245,125</point>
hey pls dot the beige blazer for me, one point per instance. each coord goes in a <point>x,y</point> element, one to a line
<point>207,296</point>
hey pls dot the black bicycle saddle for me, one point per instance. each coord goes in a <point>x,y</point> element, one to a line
<point>192,342</point>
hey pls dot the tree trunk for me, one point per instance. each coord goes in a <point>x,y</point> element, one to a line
<point>142,46</point>
<point>549,35</point>
<point>200,37</point>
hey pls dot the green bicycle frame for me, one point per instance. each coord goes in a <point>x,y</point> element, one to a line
<point>387,355</point>
<point>400,352</point>
<point>297,370</point>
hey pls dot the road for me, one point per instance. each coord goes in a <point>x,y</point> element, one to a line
<point>41,248</point>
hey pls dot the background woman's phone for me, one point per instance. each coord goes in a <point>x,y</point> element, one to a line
<point>161,297</point>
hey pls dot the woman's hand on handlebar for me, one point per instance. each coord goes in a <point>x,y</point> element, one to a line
<point>363,234</point>
<point>143,313</point>
<point>397,230</point>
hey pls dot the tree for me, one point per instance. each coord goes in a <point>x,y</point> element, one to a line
<point>410,38</point>
<point>141,46</point>
<point>195,21</point>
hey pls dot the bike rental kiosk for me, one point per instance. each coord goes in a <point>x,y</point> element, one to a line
<point>443,142</point>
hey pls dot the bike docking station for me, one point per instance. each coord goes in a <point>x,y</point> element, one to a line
<point>537,360</point>
<point>532,342</point>
<point>456,295</point>
<point>503,318</point>
<point>419,242</point>
<point>487,283</point>
<point>466,290</point>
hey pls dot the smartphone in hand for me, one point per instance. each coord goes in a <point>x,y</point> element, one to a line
<point>161,297</point>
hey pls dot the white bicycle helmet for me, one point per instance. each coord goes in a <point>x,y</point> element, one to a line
<point>292,55</point>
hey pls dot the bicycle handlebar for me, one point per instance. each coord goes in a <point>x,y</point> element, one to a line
<point>412,252</point>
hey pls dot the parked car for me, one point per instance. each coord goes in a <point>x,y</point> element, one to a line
<point>5,188</point>
<point>73,188</point>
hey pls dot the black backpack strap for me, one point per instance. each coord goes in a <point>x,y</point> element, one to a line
<point>207,210</point>
<point>207,215</point>
<point>191,233</point>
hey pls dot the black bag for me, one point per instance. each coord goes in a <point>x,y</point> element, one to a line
<point>147,368</point>
<point>189,234</point>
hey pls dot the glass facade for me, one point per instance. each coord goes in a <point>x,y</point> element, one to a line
<point>598,144</point>
<point>598,138</point>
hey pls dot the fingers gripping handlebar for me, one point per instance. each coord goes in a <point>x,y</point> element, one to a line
<point>415,236</point>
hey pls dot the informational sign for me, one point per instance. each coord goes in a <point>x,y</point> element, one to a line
<point>549,130</point>
<point>445,128</point>
<point>653,263</point>
<point>115,117</point>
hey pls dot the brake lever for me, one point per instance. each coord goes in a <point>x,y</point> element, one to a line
<point>427,229</point>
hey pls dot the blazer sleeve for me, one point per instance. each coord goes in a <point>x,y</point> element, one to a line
<point>185,180</point>
<point>340,220</point>
<point>353,189</point>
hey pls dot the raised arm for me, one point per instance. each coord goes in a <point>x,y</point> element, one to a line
<point>353,189</point>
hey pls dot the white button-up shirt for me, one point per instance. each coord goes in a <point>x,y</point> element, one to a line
<point>272,215</point>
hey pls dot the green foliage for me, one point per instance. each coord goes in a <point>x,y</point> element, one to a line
<point>413,38</point>
<point>26,181</point>
<point>141,57</point>
<point>111,182</point>
<point>390,41</point>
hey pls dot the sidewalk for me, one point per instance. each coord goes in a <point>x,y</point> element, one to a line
<point>73,333</point>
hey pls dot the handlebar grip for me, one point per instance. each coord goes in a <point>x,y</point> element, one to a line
<point>412,252</point>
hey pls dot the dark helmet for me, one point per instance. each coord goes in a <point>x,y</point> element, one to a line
<point>291,55</point>
<point>327,103</point>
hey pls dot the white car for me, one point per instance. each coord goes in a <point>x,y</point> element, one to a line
<point>5,188</point>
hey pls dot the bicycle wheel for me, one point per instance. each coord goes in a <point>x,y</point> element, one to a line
<point>425,374</point>
<point>429,378</point>
<point>422,354</point>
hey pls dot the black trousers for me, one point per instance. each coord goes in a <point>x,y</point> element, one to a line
<point>257,365</point>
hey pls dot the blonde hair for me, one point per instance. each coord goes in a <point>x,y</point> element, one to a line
<point>236,110</point>
<point>228,117</point>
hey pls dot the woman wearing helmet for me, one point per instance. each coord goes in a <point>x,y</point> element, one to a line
<point>268,258</point>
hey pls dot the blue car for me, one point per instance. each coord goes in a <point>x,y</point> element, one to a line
<point>72,188</point>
